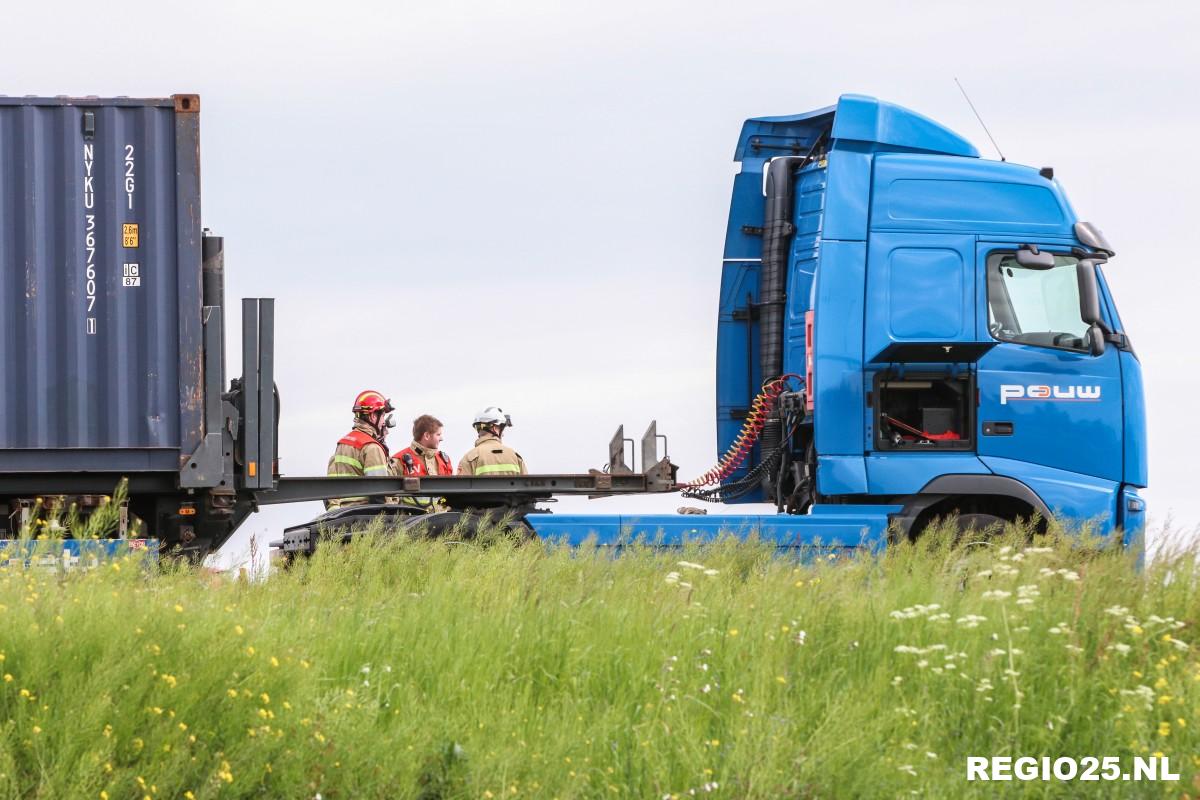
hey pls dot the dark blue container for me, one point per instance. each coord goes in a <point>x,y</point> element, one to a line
<point>100,284</point>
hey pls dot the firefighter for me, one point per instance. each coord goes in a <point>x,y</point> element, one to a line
<point>362,451</point>
<point>422,458</point>
<point>490,456</point>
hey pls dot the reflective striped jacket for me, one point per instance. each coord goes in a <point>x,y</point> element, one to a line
<point>361,454</point>
<point>490,456</point>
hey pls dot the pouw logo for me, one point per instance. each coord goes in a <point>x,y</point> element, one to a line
<point>1016,391</point>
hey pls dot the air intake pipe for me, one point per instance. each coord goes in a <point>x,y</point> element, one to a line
<point>772,285</point>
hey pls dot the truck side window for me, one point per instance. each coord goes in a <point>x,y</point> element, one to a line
<point>1035,306</point>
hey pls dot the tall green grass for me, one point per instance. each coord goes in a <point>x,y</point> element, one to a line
<point>399,668</point>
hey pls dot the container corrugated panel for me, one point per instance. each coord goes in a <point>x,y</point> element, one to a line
<point>100,288</point>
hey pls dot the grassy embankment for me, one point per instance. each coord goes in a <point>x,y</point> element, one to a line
<point>419,669</point>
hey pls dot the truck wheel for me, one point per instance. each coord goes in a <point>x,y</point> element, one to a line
<point>466,526</point>
<point>979,523</point>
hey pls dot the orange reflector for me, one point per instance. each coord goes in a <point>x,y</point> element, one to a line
<point>187,511</point>
<point>252,468</point>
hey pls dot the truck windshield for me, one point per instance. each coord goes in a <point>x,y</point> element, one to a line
<point>1035,306</point>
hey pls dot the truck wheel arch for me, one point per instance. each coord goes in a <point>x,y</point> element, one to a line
<point>1001,496</point>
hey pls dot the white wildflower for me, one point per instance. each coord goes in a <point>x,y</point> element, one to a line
<point>800,637</point>
<point>930,755</point>
<point>997,652</point>
<point>1038,550</point>
<point>971,620</point>
<point>1069,575</point>
<point>1005,550</point>
<point>987,573</point>
<point>672,577</point>
<point>922,663</point>
<point>1012,673</point>
<point>909,769</point>
<point>1117,611</point>
<point>896,681</point>
<point>996,594</point>
<point>684,585</point>
<point>1144,693</point>
<point>1120,647</point>
<point>1180,644</point>
<point>1074,648</point>
<point>690,565</point>
<point>710,573</point>
<point>909,746</point>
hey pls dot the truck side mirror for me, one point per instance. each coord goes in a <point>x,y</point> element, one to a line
<point>1089,305</point>
<point>1030,257</point>
<point>1089,294</point>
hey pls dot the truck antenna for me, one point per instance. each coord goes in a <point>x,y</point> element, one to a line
<point>981,122</point>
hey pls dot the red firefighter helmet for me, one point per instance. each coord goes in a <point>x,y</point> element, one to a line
<point>371,401</point>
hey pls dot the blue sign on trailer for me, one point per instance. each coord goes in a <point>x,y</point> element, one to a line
<point>71,553</point>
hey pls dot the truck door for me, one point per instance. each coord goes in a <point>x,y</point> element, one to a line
<point>1043,397</point>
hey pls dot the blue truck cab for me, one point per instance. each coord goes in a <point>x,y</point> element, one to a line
<point>953,344</point>
<point>961,349</point>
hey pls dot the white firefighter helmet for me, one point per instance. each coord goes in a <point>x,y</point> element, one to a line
<point>493,415</point>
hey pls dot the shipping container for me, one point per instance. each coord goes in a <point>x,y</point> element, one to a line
<point>100,284</point>
<point>112,326</point>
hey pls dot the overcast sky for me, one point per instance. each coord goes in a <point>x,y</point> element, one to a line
<point>524,204</point>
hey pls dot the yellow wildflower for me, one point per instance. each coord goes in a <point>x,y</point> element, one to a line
<point>232,693</point>
<point>266,698</point>
<point>733,631</point>
<point>1164,729</point>
<point>178,608</point>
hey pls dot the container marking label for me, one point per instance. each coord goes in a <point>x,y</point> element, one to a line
<point>89,237</point>
<point>129,176</point>
<point>129,234</point>
<point>131,275</point>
